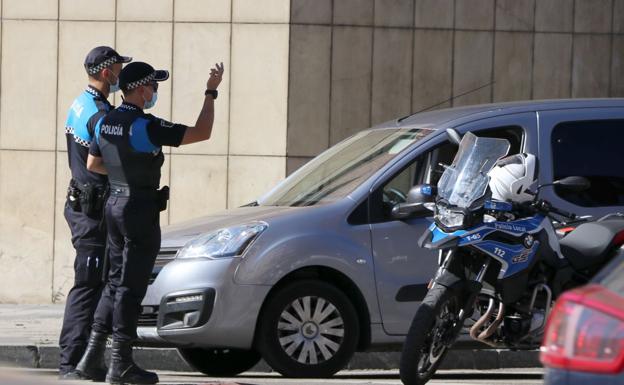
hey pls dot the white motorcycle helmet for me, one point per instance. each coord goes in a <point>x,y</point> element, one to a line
<point>512,177</point>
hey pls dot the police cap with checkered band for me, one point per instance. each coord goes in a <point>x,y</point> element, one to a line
<point>101,57</point>
<point>139,74</point>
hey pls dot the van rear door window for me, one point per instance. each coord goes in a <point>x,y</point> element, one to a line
<point>595,150</point>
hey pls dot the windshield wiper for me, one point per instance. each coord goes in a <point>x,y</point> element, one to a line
<point>251,204</point>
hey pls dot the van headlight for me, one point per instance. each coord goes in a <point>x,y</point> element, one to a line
<point>222,243</point>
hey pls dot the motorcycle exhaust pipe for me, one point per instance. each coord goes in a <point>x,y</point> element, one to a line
<point>491,329</point>
<point>487,333</point>
<point>474,330</point>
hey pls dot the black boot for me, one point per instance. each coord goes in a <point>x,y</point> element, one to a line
<point>74,375</point>
<point>123,370</point>
<point>91,365</point>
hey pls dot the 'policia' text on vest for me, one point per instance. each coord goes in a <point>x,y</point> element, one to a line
<point>112,130</point>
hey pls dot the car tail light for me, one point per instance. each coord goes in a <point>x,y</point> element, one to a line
<point>618,240</point>
<point>585,332</point>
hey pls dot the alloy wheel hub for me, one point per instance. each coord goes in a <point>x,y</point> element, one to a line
<point>310,330</point>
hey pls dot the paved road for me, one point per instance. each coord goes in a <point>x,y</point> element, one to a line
<point>492,377</point>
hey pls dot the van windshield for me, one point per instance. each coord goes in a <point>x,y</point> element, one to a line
<point>338,171</point>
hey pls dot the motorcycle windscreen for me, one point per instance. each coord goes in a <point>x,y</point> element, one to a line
<point>467,178</point>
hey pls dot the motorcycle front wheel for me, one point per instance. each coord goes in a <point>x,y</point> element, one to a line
<point>434,329</point>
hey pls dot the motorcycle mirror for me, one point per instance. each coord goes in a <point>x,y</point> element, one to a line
<point>573,183</point>
<point>453,135</point>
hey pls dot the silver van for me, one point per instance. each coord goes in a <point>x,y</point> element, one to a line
<point>319,267</point>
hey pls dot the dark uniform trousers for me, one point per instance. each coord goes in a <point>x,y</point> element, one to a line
<point>133,224</point>
<point>128,141</point>
<point>89,240</point>
<point>88,230</point>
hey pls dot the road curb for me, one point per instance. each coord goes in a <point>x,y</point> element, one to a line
<point>47,357</point>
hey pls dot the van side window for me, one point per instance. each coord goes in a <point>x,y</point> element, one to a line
<point>595,150</point>
<point>513,134</point>
<point>427,169</point>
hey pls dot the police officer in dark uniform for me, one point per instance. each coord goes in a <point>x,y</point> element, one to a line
<point>84,207</point>
<point>128,148</point>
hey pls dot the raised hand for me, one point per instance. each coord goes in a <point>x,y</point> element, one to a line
<point>216,74</point>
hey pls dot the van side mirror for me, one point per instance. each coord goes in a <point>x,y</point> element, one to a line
<point>420,199</point>
<point>573,183</point>
<point>422,193</point>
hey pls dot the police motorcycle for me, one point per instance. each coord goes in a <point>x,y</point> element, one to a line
<point>501,262</point>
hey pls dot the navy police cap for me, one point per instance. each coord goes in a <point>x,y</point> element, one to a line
<point>101,57</point>
<point>139,74</point>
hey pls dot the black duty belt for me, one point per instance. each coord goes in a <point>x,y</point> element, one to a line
<point>162,195</point>
<point>127,191</point>
<point>87,198</point>
<point>84,186</point>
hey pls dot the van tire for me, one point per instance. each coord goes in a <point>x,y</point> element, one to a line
<point>308,329</point>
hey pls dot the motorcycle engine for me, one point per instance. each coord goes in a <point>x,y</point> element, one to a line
<point>523,329</point>
<point>516,327</point>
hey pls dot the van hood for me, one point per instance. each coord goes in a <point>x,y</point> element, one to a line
<point>175,236</point>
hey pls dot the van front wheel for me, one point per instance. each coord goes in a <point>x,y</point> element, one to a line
<point>308,329</point>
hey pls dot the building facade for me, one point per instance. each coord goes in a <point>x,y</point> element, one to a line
<point>301,75</point>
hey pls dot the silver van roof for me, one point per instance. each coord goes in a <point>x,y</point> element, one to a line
<point>443,117</point>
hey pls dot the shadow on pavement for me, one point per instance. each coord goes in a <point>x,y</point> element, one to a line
<point>9,376</point>
<point>455,375</point>
<point>15,376</point>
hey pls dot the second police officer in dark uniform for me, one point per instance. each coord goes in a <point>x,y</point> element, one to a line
<point>84,207</point>
<point>128,147</point>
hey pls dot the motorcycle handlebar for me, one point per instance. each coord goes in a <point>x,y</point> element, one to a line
<point>563,213</point>
<point>548,208</point>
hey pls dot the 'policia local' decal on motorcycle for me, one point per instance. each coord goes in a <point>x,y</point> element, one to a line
<point>510,227</point>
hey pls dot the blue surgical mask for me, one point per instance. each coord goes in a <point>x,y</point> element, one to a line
<point>114,87</point>
<point>152,102</point>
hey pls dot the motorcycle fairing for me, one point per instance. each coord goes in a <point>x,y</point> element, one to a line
<point>513,258</point>
<point>436,238</point>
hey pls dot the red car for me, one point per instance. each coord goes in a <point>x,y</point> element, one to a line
<point>584,338</point>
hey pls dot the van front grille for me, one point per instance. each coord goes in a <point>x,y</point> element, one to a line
<point>164,257</point>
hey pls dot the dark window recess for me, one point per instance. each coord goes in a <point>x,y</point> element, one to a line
<point>595,150</point>
<point>427,169</point>
<point>359,216</point>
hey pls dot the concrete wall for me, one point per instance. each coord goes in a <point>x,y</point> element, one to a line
<point>356,63</point>
<point>44,43</point>
<point>300,76</point>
